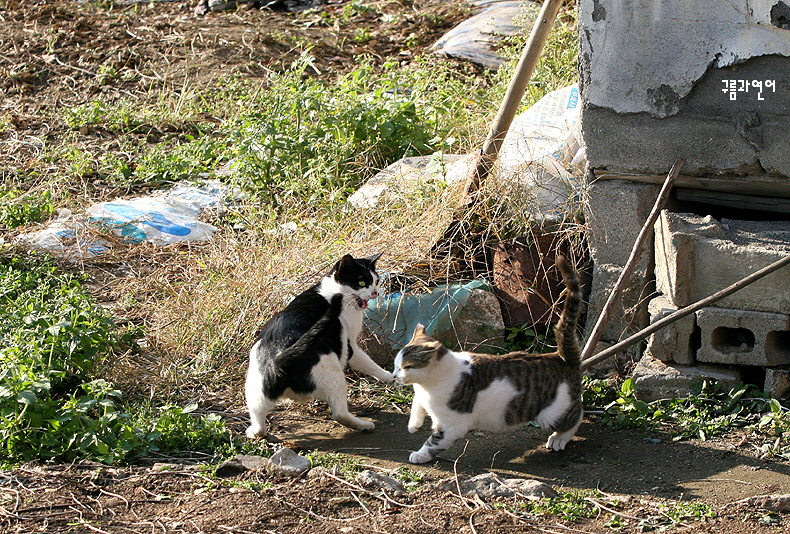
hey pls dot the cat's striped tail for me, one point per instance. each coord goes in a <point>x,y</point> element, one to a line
<point>567,338</point>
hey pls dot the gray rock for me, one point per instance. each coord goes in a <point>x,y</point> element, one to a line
<point>490,486</point>
<point>655,379</point>
<point>239,464</point>
<point>371,480</point>
<point>286,463</point>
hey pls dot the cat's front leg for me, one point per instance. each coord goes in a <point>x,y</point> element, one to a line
<point>361,362</point>
<point>439,441</point>
<point>417,417</point>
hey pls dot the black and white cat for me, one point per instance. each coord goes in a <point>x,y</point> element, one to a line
<point>301,353</point>
<point>462,391</point>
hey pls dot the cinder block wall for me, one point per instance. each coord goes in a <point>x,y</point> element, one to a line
<point>708,83</point>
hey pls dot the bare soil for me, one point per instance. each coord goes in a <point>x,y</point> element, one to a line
<point>50,55</point>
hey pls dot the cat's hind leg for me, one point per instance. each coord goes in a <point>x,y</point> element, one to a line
<point>558,440</point>
<point>259,406</point>
<point>331,388</point>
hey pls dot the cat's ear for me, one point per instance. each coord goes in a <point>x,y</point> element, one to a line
<point>419,330</point>
<point>348,259</point>
<point>372,259</point>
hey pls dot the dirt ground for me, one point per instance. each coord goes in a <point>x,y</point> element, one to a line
<point>636,473</point>
<point>50,55</point>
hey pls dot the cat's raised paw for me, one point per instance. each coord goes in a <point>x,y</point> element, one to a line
<point>420,457</point>
<point>255,431</point>
<point>557,441</point>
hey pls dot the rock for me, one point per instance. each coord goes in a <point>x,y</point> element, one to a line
<point>405,178</point>
<point>371,480</point>
<point>239,464</point>
<point>462,316</point>
<point>655,379</point>
<point>490,486</point>
<point>772,503</point>
<point>286,463</point>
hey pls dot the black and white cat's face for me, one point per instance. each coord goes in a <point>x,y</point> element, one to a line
<point>357,277</point>
<point>415,361</point>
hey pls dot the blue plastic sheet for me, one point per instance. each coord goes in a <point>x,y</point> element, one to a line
<point>397,314</point>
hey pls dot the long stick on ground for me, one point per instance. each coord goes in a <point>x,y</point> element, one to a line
<point>658,325</point>
<point>630,265</point>
<point>515,91</point>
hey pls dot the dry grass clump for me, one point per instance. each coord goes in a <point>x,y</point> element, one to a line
<point>201,305</point>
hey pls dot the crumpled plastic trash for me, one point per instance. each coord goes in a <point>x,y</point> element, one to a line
<point>397,314</point>
<point>475,39</point>
<point>160,219</point>
<point>543,152</point>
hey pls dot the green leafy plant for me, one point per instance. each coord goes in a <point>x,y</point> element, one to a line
<point>18,209</point>
<point>536,339</point>
<point>53,341</point>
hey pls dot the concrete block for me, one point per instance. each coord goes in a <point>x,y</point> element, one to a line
<point>649,70</point>
<point>673,343</point>
<point>777,382</point>
<point>630,311</point>
<point>615,213</point>
<point>691,253</point>
<point>655,379</point>
<point>743,337</point>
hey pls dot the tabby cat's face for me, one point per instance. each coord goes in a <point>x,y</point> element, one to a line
<point>416,360</point>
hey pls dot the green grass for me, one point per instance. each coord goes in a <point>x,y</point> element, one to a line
<point>712,411</point>
<point>54,341</point>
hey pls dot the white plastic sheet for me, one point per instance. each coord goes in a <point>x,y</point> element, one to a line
<point>543,151</point>
<point>167,218</point>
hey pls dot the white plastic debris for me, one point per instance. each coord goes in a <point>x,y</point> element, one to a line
<point>170,217</point>
<point>543,151</point>
<point>161,221</point>
<point>476,38</point>
<point>402,178</point>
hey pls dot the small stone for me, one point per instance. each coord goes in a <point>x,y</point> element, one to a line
<point>240,464</point>
<point>375,481</point>
<point>286,463</point>
<point>489,486</point>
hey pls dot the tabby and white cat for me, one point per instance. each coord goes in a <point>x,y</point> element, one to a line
<point>301,353</point>
<point>462,391</point>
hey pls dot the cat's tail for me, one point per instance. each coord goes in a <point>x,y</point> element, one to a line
<point>312,337</point>
<point>567,338</point>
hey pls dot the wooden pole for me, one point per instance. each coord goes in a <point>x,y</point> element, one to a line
<point>658,325</point>
<point>630,265</point>
<point>515,92</point>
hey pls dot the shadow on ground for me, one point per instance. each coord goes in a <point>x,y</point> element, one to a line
<point>615,461</point>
